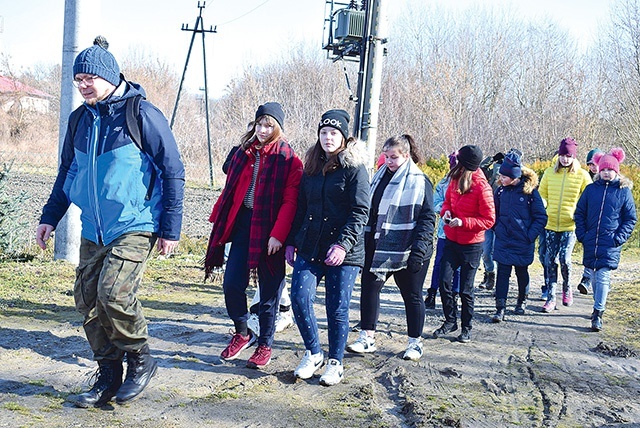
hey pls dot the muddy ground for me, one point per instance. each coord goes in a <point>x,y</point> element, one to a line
<point>529,371</point>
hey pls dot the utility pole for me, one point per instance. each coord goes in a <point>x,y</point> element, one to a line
<point>79,30</point>
<point>370,77</point>
<point>198,28</point>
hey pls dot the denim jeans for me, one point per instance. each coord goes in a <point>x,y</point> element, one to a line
<point>339,282</point>
<point>601,284</point>
<point>560,245</point>
<point>487,251</point>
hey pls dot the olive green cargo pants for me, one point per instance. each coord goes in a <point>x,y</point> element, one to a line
<point>107,280</point>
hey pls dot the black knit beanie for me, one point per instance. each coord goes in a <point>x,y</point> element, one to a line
<point>470,157</point>
<point>338,119</point>
<point>97,60</point>
<point>272,109</point>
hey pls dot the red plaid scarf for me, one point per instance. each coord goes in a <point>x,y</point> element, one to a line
<point>276,160</point>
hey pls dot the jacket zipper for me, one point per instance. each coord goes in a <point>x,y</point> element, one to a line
<point>93,174</point>
<point>604,198</point>
<point>564,178</point>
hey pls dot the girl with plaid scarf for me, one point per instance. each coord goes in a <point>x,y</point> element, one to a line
<point>254,213</point>
<point>398,242</point>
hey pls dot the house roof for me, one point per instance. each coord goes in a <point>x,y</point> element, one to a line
<point>9,86</point>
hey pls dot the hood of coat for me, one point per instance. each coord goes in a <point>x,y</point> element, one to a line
<point>354,155</point>
<point>529,179</point>
<point>624,181</point>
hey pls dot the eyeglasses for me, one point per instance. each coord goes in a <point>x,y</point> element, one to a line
<point>88,81</point>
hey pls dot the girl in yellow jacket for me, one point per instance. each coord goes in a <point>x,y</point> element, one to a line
<point>561,187</point>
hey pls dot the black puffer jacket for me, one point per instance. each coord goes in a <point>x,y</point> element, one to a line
<point>333,209</point>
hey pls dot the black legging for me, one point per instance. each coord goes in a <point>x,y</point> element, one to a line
<point>410,285</point>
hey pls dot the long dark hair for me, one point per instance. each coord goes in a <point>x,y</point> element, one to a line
<point>316,160</point>
<point>406,144</point>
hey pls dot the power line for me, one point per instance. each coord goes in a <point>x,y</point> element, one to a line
<point>245,14</point>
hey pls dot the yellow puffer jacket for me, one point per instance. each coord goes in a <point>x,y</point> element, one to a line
<point>561,191</point>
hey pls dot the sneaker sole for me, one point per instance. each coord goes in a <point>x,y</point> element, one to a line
<point>325,383</point>
<point>369,350</point>
<point>312,374</point>
<point>237,354</point>
<point>252,365</point>
<point>438,333</point>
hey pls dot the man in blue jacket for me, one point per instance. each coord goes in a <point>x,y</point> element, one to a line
<point>131,197</point>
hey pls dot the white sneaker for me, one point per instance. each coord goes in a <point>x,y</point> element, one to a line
<point>414,350</point>
<point>284,320</point>
<point>333,374</point>
<point>363,345</point>
<point>254,324</point>
<point>309,365</point>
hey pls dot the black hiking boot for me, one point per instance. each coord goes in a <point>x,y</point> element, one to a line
<point>430,301</point>
<point>140,368</point>
<point>109,380</point>
<point>489,281</point>
<point>447,327</point>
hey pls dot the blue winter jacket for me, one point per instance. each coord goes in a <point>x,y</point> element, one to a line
<point>605,217</point>
<point>109,178</point>
<point>520,218</point>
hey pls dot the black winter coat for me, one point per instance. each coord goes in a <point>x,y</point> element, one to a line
<point>333,209</point>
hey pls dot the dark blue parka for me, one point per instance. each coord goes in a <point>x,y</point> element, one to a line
<point>605,217</point>
<point>520,218</point>
<point>109,178</point>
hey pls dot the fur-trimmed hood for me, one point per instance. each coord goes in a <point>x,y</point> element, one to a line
<point>624,181</point>
<point>354,155</point>
<point>529,179</point>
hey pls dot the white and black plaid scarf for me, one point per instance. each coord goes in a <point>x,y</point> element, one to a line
<point>398,210</point>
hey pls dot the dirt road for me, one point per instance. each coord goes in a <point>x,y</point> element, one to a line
<point>530,371</point>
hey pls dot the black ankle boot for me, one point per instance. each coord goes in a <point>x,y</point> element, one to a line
<point>140,368</point>
<point>430,301</point>
<point>596,320</point>
<point>500,306</point>
<point>109,380</point>
<point>521,305</point>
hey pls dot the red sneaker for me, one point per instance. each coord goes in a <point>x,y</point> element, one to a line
<point>260,358</point>
<point>238,344</point>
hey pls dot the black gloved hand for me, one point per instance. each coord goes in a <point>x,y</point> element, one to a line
<point>414,264</point>
<point>498,157</point>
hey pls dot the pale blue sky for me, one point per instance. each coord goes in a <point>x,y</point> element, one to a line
<point>249,31</point>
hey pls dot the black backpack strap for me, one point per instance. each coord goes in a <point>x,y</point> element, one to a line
<point>133,125</point>
<point>133,122</point>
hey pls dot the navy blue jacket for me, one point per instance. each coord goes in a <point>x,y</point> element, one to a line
<point>605,217</point>
<point>520,218</point>
<point>103,172</point>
